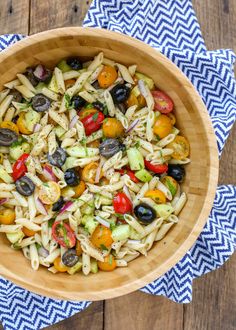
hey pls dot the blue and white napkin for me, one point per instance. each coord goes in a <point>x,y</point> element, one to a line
<point>171,27</point>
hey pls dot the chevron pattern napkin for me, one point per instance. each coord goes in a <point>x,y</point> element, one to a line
<point>171,27</point>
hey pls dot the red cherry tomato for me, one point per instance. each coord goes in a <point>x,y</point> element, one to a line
<point>130,174</point>
<point>158,168</point>
<point>93,122</point>
<point>19,168</point>
<point>163,102</point>
<point>122,203</point>
<point>63,234</point>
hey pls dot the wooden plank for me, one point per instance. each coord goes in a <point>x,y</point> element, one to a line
<point>14,16</point>
<point>51,14</point>
<point>139,311</point>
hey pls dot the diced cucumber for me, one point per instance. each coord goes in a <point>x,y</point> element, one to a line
<point>104,200</point>
<point>93,266</point>
<point>70,163</point>
<point>53,84</point>
<point>88,208</point>
<point>59,131</point>
<point>76,268</point>
<point>135,158</point>
<point>164,210</point>
<point>120,233</point>
<point>143,175</point>
<point>82,151</point>
<point>15,237</point>
<point>67,192</point>
<point>31,118</point>
<point>5,176</point>
<point>40,86</point>
<point>91,225</point>
<point>146,79</point>
<point>86,218</point>
<point>63,66</point>
<point>18,150</point>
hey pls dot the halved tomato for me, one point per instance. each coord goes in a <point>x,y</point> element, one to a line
<point>163,102</point>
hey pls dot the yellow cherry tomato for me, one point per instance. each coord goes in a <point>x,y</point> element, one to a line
<point>162,126</point>
<point>94,144</point>
<point>79,189</point>
<point>112,128</point>
<point>9,125</point>
<point>101,237</point>
<point>7,216</point>
<point>85,112</point>
<point>132,100</point>
<point>108,264</point>
<point>170,183</point>
<point>49,192</point>
<point>141,101</point>
<point>89,172</point>
<point>28,232</point>
<point>157,195</point>
<point>172,118</point>
<point>21,124</point>
<point>107,76</point>
<point>78,249</point>
<point>69,83</point>
<point>181,147</point>
<point>60,267</point>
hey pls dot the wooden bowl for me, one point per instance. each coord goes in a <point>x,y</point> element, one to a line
<point>202,173</point>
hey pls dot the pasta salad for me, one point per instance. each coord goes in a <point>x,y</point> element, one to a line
<point>90,165</point>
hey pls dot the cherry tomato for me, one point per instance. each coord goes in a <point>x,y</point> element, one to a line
<point>63,234</point>
<point>49,192</point>
<point>9,125</point>
<point>112,128</point>
<point>79,189</point>
<point>130,174</point>
<point>122,203</point>
<point>60,267</point>
<point>156,168</point>
<point>108,264</point>
<point>163,102</point>
<point>28,232</point>
<point>170,183</point>
<point>69,83</point>
<point>7,216</point>
<point>101,237</point>
<point>21,124</point>
<point>136,100</point>
<point>107,76</point>
<point>157,195</point>
<point>19,168</point>
<point>89,172</point>
<point>78,249</point>
<point>181,147</point>
<point>85,112</point>
<point>162,126</point>
<point>93,122</point>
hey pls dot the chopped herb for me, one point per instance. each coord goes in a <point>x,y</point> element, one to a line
<point>95,116</point>
<point>158,138</point>
<point>38,246</point>
<point>113,253</point>
<point>51,222</point>
<point>105,120</point>
<point>103,247</point>
<point>26,105</point>
<point>105,110</point>
<point>112,225</point>
<point>120,216</point>
<point>45,184</point>
<point>19,142</point>
<point>137,144</point>
<point>83,141</point>
<point>89,106</point>
<point>68,102</point>
<point>110,259</point>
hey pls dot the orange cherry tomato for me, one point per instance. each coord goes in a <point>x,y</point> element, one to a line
<point>112,128</point>
<point>69,83</point>
<point>89,172</point>
<point>107,76</point>
<point>108,264</point>
<point>60,267</point>
<point>181,147</point>
<point>85,112</point>
<point>94,144</point>
<point>49,192</point>
<point>21,124</point>
<point>9,125</point>
<point>157,195</point>
<point>162,126</point>
<point>79,189</point>
<point>28,232</point>
<point>172,118</point>
<point>101,237</point>
<point>78,249</point>
<point>132,100</point>
<point>141,101</point>
<point>7,216</point>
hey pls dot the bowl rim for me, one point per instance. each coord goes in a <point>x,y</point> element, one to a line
<point>213,159</point>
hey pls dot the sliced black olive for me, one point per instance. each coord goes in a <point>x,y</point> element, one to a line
<point>58,205</point>
<point>145,213</point>
<point>25,186</point>
<point>40,103</point>
<point>58,158</point>
<point>7,137</point>
<point>120,93</point>
<point>78,102</point>
<point>99,106</point>
<point>177,172</point>
<point>71,177</point>
<point>17,97</point>
<point>69,258</point>
<point>30,75</point>
<point>110,147</point>
<point>74,63</point>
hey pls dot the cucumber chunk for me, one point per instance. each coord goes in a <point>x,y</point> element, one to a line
<point>135,158</point>
<point>63,66</point>
<point>93,266</point>
<point>76,268</point>
<point>120,233</point>
<point>146,79</point>
<point>143,175</point>
<point>15,237</point>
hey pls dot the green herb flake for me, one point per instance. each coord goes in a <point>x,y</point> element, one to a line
<point>38,246</point>
<point>105,110</point>
<point>103,247</point>
<point>95,116</point>
<point>110,259</point>
<point>68,103</point>
<point>89,106</point>
<point>137,144</point>
<point>112,225</point>
<point>45,184</point>
<point>51,222</point>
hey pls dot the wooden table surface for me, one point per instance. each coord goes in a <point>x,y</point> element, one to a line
<point>214,295</point>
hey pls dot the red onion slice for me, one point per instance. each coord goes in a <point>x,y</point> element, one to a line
<point>66,207</point>
<point>142,88</point>
<point>102,221</point>
<point>43,252</point>
<point>40,206</point>
<point>48,173</point>
<point>73,121</point>
<point>40,71</point>
<point>37,127</point>
<point>3,200</point>
<point>132,126</point>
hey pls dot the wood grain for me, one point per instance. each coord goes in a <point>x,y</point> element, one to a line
<point>14,16</point>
